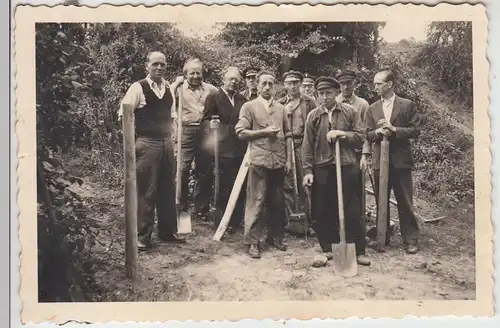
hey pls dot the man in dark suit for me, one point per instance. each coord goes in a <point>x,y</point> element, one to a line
<point>397,118</point>
<point>226,103</point>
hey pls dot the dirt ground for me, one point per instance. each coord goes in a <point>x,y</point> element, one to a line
<point>206,270</point>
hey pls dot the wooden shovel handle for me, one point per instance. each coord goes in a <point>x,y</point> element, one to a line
<point>178,184</point>
<point>340,193</point>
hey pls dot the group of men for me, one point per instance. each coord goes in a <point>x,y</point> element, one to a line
<point>306,122</point>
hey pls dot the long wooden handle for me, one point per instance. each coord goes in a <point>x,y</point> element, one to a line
<point>295,183</point>
<point>178,185</point>
<point>340,193</point>
<point>382,216</point>
<point>130,193</point>
<point>216,165</point>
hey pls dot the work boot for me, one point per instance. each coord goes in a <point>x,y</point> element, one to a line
<point>412,249</point>
<point>173,238</point>
<point>254,251</point>
<point>277,243</point>
<point>142,246</point>
<point>363,260</point>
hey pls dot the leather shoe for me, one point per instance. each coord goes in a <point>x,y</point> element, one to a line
<point>142,246</point>
<point>254,252</point>
<point>412,249</point>
<point>173,239</point>
<point>277,244</point>
<point>363,260</point>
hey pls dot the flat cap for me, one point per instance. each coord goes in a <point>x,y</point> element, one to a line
<point>308,79</point>
<point>346,76</point>
<point>250,71</point>
<point>325,82</point>
<point>292,76</point>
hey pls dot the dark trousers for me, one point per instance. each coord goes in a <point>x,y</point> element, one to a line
<point>325,207</point>
<point>264,189</point>
<point>192,150</point>
<point>401,181</point>
<point>229,168</point>
<point>155,172</point>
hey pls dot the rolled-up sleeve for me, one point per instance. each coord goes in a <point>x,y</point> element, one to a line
<point>245,119</point>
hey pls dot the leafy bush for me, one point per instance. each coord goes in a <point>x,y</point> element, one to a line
<point>450,40</point>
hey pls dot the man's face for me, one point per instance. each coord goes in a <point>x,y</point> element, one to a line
<point>292,87</point>
<point>308,89</point>
<point>156,66</point>
<point>231,80</point>
<point>347,88</point>
<point>380,85</point>
<point>194,74</point>
<point>326,97</point>
<point>251,82</point>
<point>266,86</point>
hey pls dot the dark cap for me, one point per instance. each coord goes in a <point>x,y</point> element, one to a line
<point>308,79</point>
<point>292,76</point>
<point>324,82</point>
<point>346,76</point>
<point>250,71</point>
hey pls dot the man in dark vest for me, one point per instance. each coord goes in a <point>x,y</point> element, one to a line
<point>250,75</point>
<point>152,101</point>
<point>226,102</point>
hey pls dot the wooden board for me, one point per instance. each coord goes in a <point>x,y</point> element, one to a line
<point>233,198</point>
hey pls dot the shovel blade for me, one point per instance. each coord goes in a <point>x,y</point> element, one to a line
<point>344,259</point>
<point>183,223</point>
<point>297,223</point>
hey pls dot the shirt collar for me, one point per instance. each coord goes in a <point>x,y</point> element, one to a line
<point>151,82</point>
<point>390,100</point>
<point>200,87</point>
<point>336,106</point>
<point>227,94</point>
<point>267,103</point>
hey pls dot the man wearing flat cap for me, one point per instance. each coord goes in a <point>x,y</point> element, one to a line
<point>250,76</point>
<point>307,86</point>
<point>347,80</point>
<point>297,107</point>
<point>329,121</point>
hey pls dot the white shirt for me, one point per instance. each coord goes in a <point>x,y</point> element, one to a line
<point>266,103</point>
<point>135,95</point>
<point>387,106</point>
<point>330,112</point>
<point>231,99</point>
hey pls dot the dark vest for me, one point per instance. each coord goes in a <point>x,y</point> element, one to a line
<point>154,119</point>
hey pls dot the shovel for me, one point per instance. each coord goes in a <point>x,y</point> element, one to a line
<point>298,216</point>
<point>344,255</point>
<point>216,214</point>
<point>183,217</point>
<point>382,216</point>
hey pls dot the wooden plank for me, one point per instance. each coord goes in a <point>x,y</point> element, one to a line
<point>130,192</point>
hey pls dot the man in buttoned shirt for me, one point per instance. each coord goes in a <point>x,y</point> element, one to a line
<point>151,100</point>
<point>194,94</point>
<point>250,75</point>
<point>397,118</point>
<point>307,86</point>
<point>226,103</point>
<point>329,121</point>
<point>263,123</point>
<point>297,107</point>
<point>347,80</point>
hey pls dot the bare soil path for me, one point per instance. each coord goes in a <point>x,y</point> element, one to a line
<point>206,270</point>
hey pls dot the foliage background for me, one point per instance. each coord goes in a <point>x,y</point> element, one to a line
<point>83,71</point>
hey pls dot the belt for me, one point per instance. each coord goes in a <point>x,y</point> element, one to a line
<point>191,124</point>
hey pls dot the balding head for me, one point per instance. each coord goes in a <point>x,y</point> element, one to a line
<point>232,77</point>
<point>156,65</point>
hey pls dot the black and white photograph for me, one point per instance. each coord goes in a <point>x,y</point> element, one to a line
<point>253,161</point>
